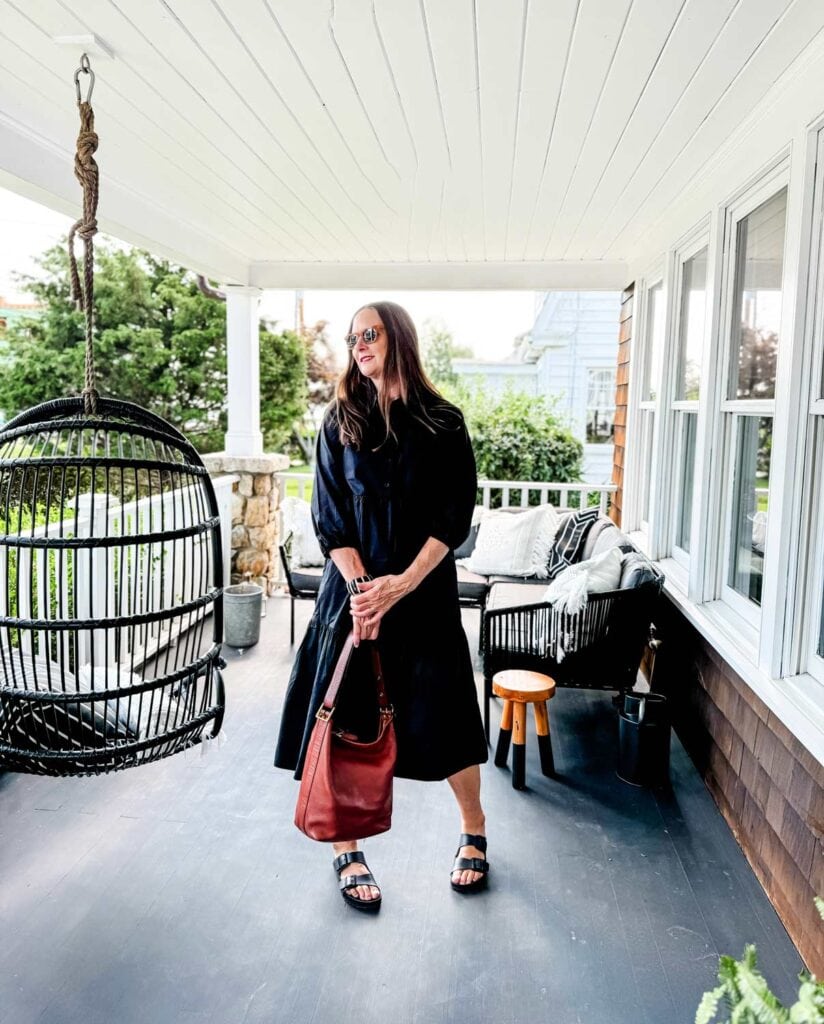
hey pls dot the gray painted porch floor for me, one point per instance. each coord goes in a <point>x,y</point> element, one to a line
<point>181,891</point>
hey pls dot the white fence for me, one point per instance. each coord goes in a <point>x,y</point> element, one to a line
<point>512,494</point>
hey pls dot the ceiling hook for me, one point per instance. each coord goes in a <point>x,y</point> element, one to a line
<point>86,68</point>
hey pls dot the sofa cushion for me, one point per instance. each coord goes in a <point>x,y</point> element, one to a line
<point>605,537</point>
<point>468,546</point>
<point>569,540</point>
<point>514,543</point>
<point>636,570</point>
<point>514,595</point>
<point>471,586</point>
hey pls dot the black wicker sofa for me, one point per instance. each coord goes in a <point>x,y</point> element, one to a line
<point>518,630</point>
<point>598,648</point>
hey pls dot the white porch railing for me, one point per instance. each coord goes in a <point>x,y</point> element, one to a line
<point>516,494</point>
<point>512,493</point>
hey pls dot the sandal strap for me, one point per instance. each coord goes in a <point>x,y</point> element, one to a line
<point>479,842</point>
<point>353,881</point>
<point>471,863</point>
<point>354,857</point>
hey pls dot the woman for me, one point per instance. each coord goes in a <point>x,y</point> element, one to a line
<point>395,487</point>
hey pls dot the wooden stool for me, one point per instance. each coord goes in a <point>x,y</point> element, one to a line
<point>519,687</point>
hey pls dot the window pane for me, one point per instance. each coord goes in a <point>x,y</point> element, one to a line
<point>691,326</point>
<point>758,299</point>
<point>689,426</point>
<point>647,421</point>
<point>600,406</point>
<point>750,504</point>
<point>820,648</point>
<point>655,342</point>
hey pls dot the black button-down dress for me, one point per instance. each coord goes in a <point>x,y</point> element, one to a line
<point>386,503</point>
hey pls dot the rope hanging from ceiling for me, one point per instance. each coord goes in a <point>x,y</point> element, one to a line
<point>110,550</point>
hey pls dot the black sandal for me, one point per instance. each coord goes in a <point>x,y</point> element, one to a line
<point>351,881</point>
<point>470,864</point>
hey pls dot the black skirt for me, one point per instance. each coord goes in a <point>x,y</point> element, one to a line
<point>429,678</point>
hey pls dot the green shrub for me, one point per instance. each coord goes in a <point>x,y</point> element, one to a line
<point>517,436</point>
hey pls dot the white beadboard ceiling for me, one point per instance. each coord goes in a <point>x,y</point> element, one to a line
<point>405,143</point>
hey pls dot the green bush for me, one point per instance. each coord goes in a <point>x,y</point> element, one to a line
<point>517,436</point>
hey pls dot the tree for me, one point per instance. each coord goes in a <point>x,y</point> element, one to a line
<point>438,349</point>
<point>160,342</point>
<point>282,387</point>
<point>757,366</point>
<point>321,375</point>
<point>516,436</point>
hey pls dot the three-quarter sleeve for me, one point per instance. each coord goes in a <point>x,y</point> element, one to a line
<point>454,497</point>
<point>332,510</point>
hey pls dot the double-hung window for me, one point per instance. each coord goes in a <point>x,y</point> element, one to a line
<point>654,339</point>
<point>600,413</point>
<point>691,298</point>
<point>748,402</point>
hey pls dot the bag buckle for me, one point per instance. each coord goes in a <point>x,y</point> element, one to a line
<point>323,714</point>
<point>389,710</point>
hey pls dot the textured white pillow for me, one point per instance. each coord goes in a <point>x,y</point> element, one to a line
<point>297,520</point>
<point>513,543</point>
<point>569,591</point>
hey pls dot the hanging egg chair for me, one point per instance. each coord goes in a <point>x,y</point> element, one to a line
<point>110,566</point>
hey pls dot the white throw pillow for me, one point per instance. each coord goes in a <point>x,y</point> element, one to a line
<point>297,520</point>
<point>569,591</point>
<point>513,543</point>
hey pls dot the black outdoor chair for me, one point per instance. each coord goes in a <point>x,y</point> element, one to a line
<point>303,584</point>
<point>599,648</point>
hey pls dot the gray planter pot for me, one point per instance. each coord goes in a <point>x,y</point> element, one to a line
<point>242,604</point>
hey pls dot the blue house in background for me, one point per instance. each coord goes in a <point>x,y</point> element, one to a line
<point>570,354</point>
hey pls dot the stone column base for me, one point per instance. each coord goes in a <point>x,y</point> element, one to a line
<point>255,502</point>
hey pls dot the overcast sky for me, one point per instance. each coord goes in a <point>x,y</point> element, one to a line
<point>487,322</point>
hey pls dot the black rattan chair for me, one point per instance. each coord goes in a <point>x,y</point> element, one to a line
<point>110,553</point>
<point>599,648</point>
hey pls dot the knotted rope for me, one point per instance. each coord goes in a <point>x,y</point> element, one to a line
<point>85,170</point>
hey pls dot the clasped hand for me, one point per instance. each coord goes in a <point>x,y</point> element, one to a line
<point>375,599</point>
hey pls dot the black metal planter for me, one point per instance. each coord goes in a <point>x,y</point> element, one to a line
<point>644,739</point>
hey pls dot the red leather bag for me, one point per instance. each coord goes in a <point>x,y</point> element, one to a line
<point>346,786</point>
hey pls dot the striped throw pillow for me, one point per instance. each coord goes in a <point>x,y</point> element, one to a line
<point>569,540</point>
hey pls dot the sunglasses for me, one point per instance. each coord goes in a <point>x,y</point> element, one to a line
<point>370,336</point>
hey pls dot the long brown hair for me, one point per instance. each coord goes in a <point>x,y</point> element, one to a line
<point>403,373</point>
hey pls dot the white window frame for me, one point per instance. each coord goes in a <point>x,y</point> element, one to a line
<point>688,247</point>
<point>609,371</point>
<point>730,410</point>
<point>735,612</point>
<point>775,661</point>
<point>637,406</point>
<point>801,655</point>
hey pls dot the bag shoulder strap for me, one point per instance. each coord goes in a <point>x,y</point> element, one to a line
<point>340,671</point>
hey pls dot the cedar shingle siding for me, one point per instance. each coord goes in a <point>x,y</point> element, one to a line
<point>622,384</point>
<point>767,785</point>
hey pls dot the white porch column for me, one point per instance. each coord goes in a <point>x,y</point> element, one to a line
<point>243,436</point>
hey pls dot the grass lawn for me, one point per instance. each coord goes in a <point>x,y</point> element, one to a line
<point>292,485</point>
